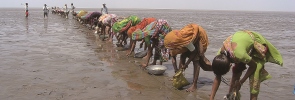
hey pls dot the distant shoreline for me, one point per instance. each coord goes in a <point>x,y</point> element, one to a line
<point>120,9</point>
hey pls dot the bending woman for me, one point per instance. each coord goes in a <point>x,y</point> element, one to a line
<point>244,48</point>
<point>153,35</point>
<point>122,27</point>
<point>107,20</point>
<point>191,42</point>
<point>141,25</point>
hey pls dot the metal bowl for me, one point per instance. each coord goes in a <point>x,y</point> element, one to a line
<point>156,69</point>
<point>140,54</point>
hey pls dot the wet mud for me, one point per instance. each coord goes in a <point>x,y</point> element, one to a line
<point>60,59</point>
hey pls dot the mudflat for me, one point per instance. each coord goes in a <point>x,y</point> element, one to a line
<point>60,59</point>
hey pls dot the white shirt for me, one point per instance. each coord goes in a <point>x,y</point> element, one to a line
<point>45,9</point>
<point>73,7</point>
<point>66,8</point>
<point>26,7</point>
<point>104,10</point>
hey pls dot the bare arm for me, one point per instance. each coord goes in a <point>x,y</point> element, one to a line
<point>252,67</point>
<point>132,48</point>
<point>149,54</point>
<point>194,53</point>
<point>174,63</point>
<point>215,86</point>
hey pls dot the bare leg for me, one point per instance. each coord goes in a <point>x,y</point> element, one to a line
<point>145,46</point>
<point>103,32</point>
<point>148,56</point>
<point>125,38</point>
<point>120,39</point>
<point>193,87</point>
<point>156,54</point>
<point>174,63</point>
<point>253,96</point>
<point>117,36</point>
<point>101,29</point>
<point>110,34</point>
<point>130,42</point>
<point>235,77</point>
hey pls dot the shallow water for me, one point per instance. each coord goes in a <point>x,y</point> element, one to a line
<point>58,58</point>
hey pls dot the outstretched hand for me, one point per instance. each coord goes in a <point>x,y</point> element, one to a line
<point>144,65</point>
<point>128,54</point>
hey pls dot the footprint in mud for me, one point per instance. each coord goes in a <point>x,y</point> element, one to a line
<point>76,27</point>
<point>286,76</point>
<point>134,86</point>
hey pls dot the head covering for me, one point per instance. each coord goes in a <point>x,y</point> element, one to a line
<point>181,38</point>
<point>157,30</point>
<point>140,25</point>
<point>125,24</point>
<point>177,41</point>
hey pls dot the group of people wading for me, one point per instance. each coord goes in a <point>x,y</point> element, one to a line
<point>64,11</point>
<point>190,42</point>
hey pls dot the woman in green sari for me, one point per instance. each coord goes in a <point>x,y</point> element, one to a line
<point>122,27</point>
<point>241,48</point>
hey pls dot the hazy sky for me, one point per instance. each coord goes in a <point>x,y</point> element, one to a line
<point>251,5</point>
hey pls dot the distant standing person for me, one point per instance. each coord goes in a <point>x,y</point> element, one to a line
<point>45,9</point>
<point>66,11</point>
<point>27,10</point>
<point>73,8</point>
<point>66,8</point>
<point>104,9</point>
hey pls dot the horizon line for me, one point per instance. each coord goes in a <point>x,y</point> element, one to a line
<point>169,9</point>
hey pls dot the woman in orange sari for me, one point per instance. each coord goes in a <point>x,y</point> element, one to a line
<point>191,42</point>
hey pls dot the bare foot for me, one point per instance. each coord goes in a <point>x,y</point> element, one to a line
<point>171,79</point>
<point>144,66</point>
<point>110,40</point>
<point>192,88</point>
<point>128,54</point>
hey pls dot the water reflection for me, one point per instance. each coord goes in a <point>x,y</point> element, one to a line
<point>45,25</point>
<point>27,25</point>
